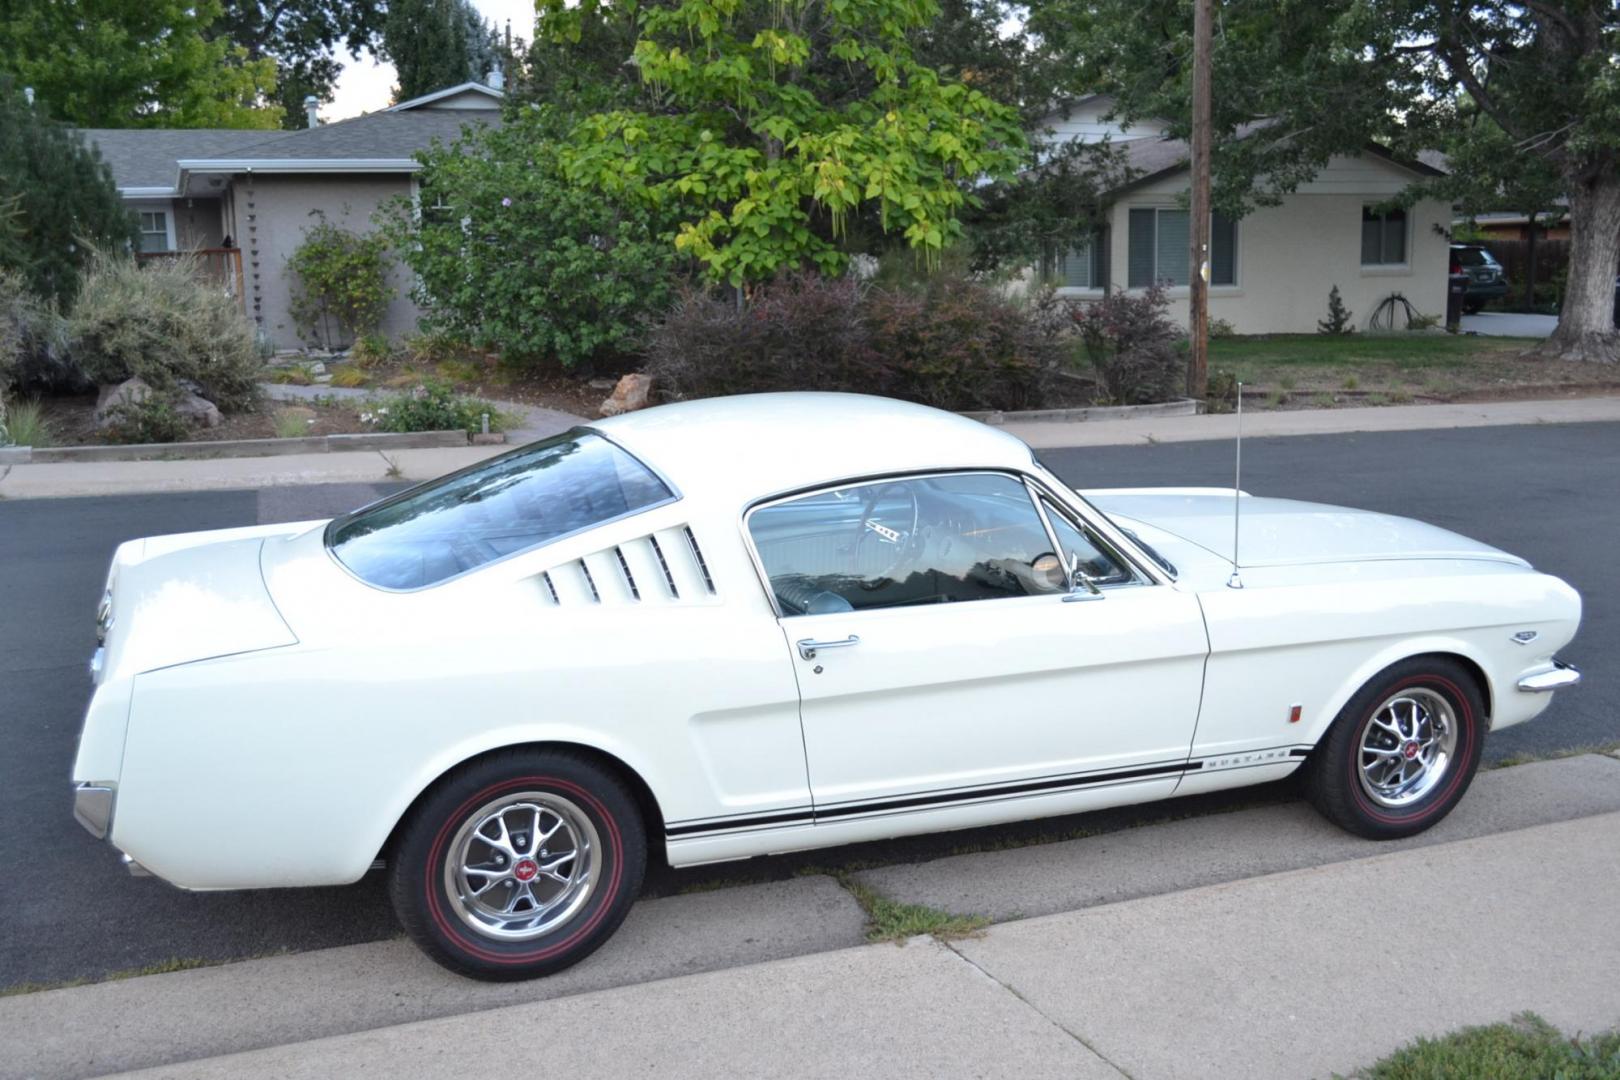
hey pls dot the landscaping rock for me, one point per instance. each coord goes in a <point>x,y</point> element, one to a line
<point>631,394</point>
<point>196,409</point>
<point>128,392</point>
<point>316,368</point>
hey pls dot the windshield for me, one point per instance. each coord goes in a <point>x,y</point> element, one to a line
<point>494,509</point>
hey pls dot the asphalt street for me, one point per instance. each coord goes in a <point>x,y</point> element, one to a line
<point>67,910</point>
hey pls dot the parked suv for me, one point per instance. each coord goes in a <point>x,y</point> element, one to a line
<point>1485,278</point>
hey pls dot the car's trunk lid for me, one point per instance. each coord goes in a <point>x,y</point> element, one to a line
<point>180,599</point>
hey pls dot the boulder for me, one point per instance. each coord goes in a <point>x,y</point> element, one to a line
<point>633,392</point>
<point>198,410</point>
<point>128,392</point>
<point>192,407</point>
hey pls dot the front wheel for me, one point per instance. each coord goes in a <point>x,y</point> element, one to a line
<point>518,865</point>
<point>1402,752</point>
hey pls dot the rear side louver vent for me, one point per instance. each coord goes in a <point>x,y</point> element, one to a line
<point>664,567</point>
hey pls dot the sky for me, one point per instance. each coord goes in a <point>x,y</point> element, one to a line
<point>367,83</point>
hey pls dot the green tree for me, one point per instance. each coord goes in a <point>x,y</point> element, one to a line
<point>436,44</point>
<point>57,200</point>
<point>113,63</point>
<point>773,126</point>
<point>1306,81</point>
<point>507,254</point>
<point>302,37</point>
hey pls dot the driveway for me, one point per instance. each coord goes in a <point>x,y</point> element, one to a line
<point>1509,324</point>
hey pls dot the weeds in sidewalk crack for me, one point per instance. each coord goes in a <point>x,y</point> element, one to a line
<point>394,471</point>
<point>891,920</point>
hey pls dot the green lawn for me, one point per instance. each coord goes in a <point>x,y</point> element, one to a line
<point>1527,1049</point>
<point>1357,369</point>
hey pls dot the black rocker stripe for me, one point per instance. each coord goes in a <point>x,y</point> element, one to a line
<point>940,799</point>
<point>945,799</point>
<point>790,817</point>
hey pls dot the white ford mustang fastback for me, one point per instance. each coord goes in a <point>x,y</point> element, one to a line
<point>766,624</point>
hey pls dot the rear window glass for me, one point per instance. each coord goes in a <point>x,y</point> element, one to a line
<point>1473,257</point>
<point>494,509</point>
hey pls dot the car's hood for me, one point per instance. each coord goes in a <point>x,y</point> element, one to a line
<point>1283,532</point>
<point>187,597</point>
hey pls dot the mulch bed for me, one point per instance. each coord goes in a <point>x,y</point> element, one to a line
<point>72,421</point>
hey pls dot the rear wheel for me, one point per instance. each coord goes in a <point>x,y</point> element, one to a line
<point>1402,752</point>
<point>518,865</point>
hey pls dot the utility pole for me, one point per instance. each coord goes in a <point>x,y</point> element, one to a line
<point>1198,263</point>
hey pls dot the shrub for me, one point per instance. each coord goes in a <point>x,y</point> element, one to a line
<point>166,325</point>
<point>1339,316</point>
<point>1134,346</point>
<point>145,420</point>
<point>1221,393</point>
<point>803,332</point>
<point>370,351</point>
<point>510,256</point>
<point>433,406</point>
<point>348,376</point>
<point>961,345</point>
<point>951,342</point>
<point>25,425</point>
<point>340,283</point>
<point>33,341</point>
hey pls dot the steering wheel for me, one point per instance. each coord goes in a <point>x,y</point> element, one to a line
<point>890,544</point>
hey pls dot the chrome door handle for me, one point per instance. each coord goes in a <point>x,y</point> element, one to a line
<point>808,646</point>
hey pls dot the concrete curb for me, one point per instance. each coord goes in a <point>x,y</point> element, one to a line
<point>1179,407</point>
<point>231,448</point>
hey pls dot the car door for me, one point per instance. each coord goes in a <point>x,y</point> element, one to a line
<point>942,659</point>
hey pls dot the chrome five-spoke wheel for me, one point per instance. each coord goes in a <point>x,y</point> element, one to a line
<point>522,865</point>
<point>1407,747</point>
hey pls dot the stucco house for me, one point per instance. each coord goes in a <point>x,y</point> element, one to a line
<point>242,199</point>
<point>1271,271</point>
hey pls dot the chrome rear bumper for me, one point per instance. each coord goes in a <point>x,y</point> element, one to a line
<point>1561,676</point>
<point>93,807</point>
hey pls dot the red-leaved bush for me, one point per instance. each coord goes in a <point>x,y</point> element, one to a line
<point>1134,346</point>
<point>953,343</point>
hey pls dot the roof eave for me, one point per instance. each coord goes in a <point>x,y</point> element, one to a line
<point>451,91</point>
<point>298,165</point>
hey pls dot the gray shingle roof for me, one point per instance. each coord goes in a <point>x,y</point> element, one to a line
<point>145,157</point>
<point>149,157</point>
<point>375,135</point>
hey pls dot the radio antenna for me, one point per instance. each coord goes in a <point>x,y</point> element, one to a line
<point>1236,580</point>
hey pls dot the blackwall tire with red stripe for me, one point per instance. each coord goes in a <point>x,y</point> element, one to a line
<point>519,864</point>
<point>1364,775</point>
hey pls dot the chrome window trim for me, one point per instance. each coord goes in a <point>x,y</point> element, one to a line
<point>1099,522</point>
<point>1013,474</point>
<point>675,496</point>
<point>1040,498</point>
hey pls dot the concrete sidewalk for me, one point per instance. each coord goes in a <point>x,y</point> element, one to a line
<point>130,477</point>
<point>1297,974</point>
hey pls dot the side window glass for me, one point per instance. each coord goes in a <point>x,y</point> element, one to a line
<point>931,540</point>
<point>1095,561</point>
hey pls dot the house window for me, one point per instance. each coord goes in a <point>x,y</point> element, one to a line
<point>154,230</point>
<point>1084,267</point>
<point>1383,237</point>
<point>1159,248</point>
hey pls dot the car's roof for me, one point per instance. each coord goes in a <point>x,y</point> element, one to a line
<point>749,446</point>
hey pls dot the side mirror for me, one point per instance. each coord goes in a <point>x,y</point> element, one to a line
<point>1081,586</point>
